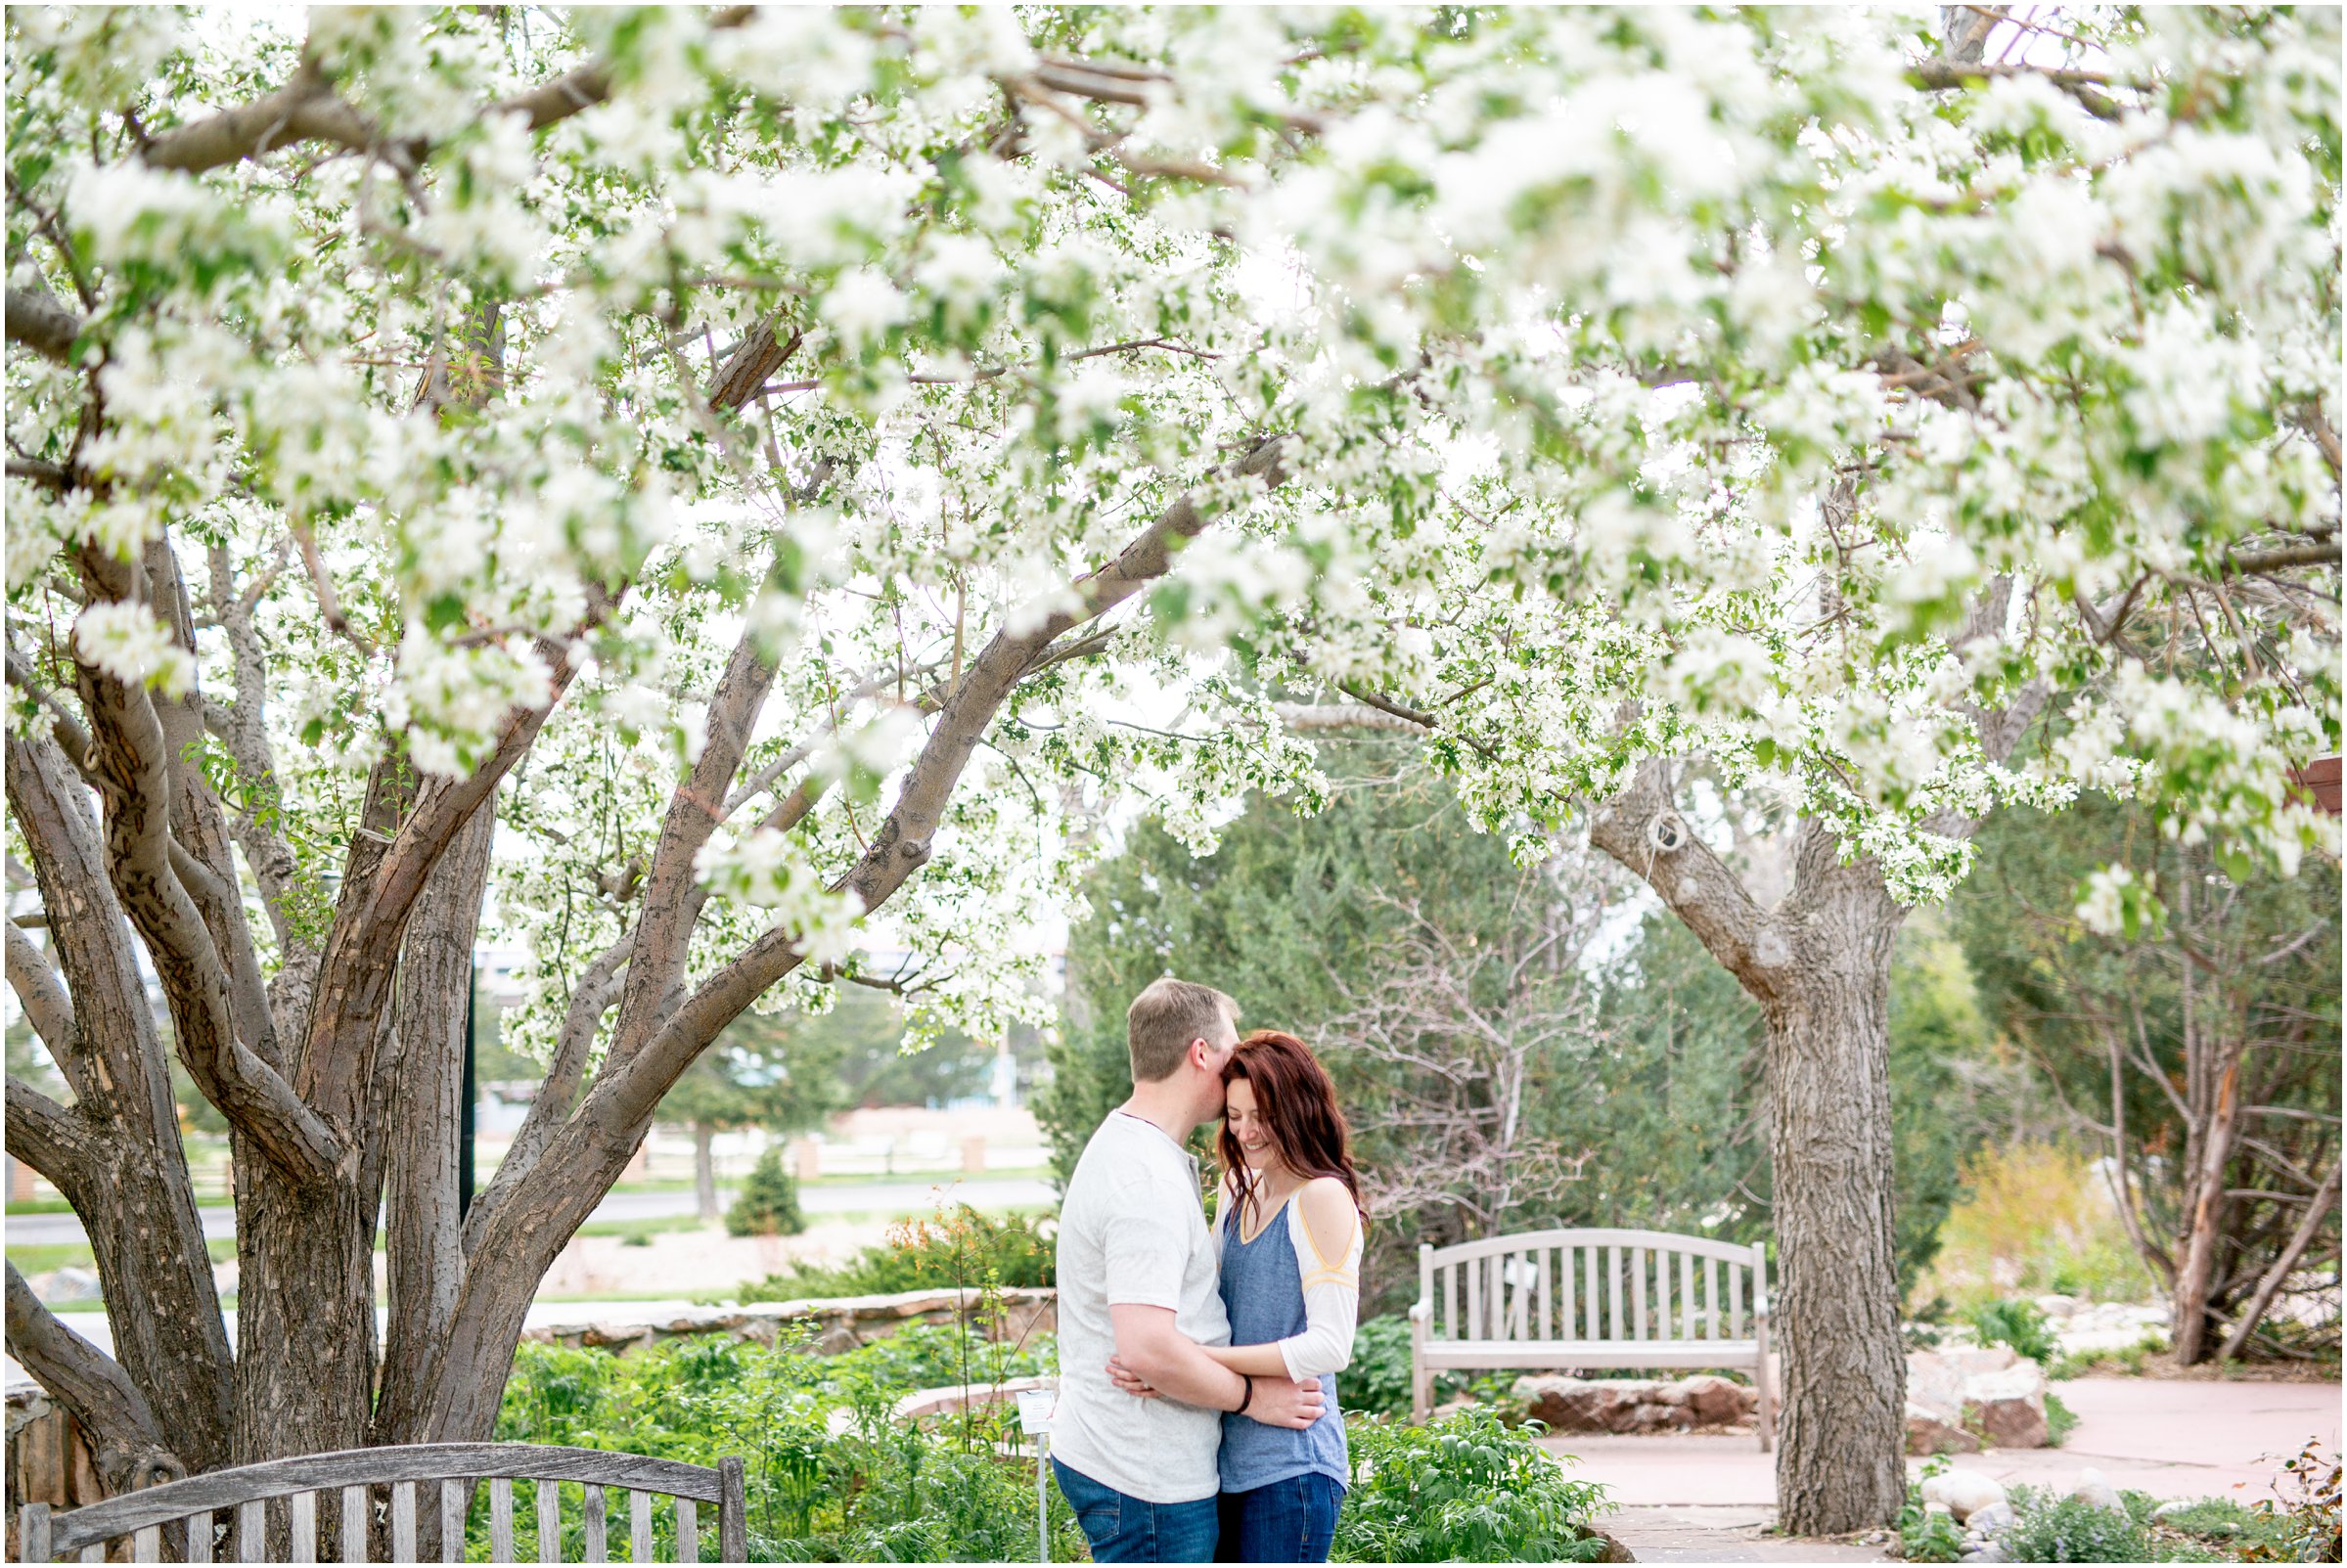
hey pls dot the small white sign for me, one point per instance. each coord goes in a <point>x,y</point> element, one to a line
<point>1035,1408</point>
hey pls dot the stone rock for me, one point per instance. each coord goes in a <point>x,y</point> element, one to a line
<point>1601,1404</point>
<point>1927,1434</point>
<point>2095,1491</point>
<point>1963,1492</point>
<point>2058,1307</point>
<point>2008,1408</point>
<point>1990,1395</point>
<point>1993,1520</point>
<point>2171,1508</point>
<point>1614,1551</point>
<point>1991,1553</point>
<point>1715,1401</point>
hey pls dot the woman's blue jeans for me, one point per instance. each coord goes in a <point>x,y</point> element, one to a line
<point>1287,1521</point>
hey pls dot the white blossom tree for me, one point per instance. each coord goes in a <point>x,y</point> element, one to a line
<point>701,484</point>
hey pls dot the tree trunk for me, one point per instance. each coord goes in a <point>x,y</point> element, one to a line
<point>1837,1298</point>
<point>2195,1270</point>
<point>1819,964</point>
<point>705,1172</point>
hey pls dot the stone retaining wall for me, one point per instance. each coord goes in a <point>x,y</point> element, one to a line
<point>839,1324</point>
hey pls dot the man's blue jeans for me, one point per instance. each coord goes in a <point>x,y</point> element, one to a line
<point>1124,1529</point>
<point>1286,1521</point>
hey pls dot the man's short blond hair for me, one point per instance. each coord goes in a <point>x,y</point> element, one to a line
<point>1166,1017</point>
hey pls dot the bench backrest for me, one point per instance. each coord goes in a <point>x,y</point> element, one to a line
<point>362,1487</point>
<point>1590,1285</point>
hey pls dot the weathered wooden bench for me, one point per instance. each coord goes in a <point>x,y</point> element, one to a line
<point>449,1471</point>
<point>1567,1299</point>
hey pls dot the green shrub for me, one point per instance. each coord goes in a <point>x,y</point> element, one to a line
<point>833,1477</point>
<point>1462,1489</point>
<point>2050,1529</point>
<point>2018,1324</point>
<point>769,1200</point>
<point>2304,1524</point>
<point>2060,1420</point>
<point>958,1247</point>
<point>1926,1536</point>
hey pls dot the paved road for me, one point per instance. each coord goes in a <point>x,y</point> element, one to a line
<point>904,1195</point>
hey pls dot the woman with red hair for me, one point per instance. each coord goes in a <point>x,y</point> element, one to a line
<point>1288,1228</point>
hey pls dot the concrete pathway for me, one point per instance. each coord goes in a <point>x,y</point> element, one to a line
<point>886,1196</point>
<point>1707,1499</point>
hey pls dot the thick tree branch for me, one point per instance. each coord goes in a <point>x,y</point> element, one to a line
<point>42,991</point>
<point>43,323</point>
<point>57,1140</point>
<point>307,109</point>
<point>1639,827</point>
<point>130,1448</point>
<point>134,767</point>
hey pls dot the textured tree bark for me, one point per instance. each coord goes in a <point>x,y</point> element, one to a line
<point>128,1180</point>
<point>1819,964</point>
<point>1839,1465</point>
<point>2195,1270</point>
<point>422,1244</point>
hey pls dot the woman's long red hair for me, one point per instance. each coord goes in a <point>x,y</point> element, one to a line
<point>1297,1103</point>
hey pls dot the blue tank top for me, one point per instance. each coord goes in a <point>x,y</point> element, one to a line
<point>1263,1292</point>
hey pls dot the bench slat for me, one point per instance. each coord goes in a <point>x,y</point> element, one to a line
<point>403,1521</point>
<point>1687,1295</point>
<point>688,1532</point>
<point>1613,1293</point>
<point>501,1519</point>
<point>1453,1327</point>
<point>1475,1301</point>
<point>1638,1293</point>
<point>251,1531</point>
<point>355,1513</point>
<point>199,1543</point>
<point>593,1516</point>
<point>1711,1328</point>
<point>639,1520</point>
<point>1569,1354</point>
<point>456,1501</point>
<point>301,1524</point>
<point>1735,1303</point>
<point>1547,1322</point>
<point>146,1546</point>
<point>550,1521</point>
<point>1589,1293</point>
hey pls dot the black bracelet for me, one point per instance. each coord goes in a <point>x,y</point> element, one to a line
<point>1248,1398</point>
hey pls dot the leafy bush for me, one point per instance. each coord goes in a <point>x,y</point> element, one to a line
<point>1462,1489</point>
<point>2018,1324</point>
<point>2050,1529</point>
<point>769,1200</point>
<point>2128,1362</point>
<point>2304,1524</point>
<point>958,1247</point>
<point>2060,1420</point>
<point>834,1476</point>
<point>1926,1536</point>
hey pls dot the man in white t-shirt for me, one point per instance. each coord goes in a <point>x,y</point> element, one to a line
<point>1138,1274</point>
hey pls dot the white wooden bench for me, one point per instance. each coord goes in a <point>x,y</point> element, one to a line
<point>1559,1300</point>
<point>357,1482</point>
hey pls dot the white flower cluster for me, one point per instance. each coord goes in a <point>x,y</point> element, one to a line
<point>129,644</point>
